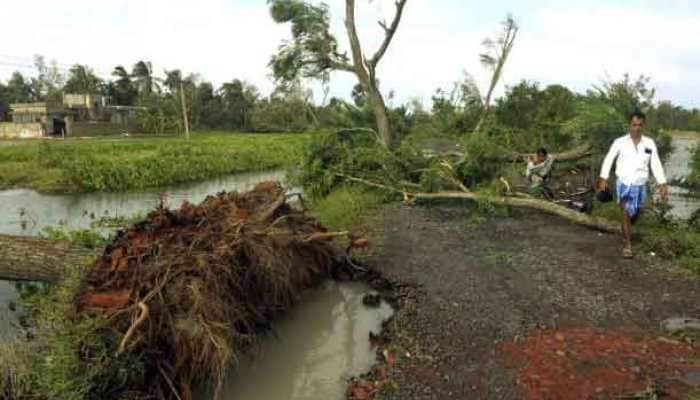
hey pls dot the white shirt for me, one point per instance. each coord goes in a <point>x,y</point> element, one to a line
<point>633,161</point>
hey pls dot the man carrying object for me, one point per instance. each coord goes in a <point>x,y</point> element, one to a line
<point>635,153</point>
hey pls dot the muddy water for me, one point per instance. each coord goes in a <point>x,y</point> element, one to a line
<point>684,201</point>
<point>26,212</point>
<point>317,346</point>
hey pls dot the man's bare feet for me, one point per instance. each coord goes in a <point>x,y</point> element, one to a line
<point>627,252</point>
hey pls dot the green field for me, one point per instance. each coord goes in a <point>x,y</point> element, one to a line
<point>120,164</point>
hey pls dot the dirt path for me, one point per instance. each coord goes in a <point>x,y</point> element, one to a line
<point>501,280</point>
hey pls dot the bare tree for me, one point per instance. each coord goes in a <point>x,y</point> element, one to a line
<point>314,53</point>
<point>494,59</point>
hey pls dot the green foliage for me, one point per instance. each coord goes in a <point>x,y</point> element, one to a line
<point>76,360</point>
<point>288,108</point>
<point>694,176</point>
<point>625,95</point>
<point>82,79</point>
<point>114,165</point>
<point>19,89</point>
<point>598,123</point>
<point>47,85</point>
<point>354,153</point>
<point>122,90</point>
<point>345,207</point>
<point>456,111</point>
<point>88,238</point>
<point>536,117</point>
<point>480,164</point>
<point>657,232</point>
<point>312,49</point>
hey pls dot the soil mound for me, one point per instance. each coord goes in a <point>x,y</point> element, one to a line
<point>189,289</point>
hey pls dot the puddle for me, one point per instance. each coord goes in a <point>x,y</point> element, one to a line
<point>316,348</point>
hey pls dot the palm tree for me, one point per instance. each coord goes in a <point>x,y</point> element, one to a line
<point>122,90</point>
<point>494,59</point>
<point>146,84</point>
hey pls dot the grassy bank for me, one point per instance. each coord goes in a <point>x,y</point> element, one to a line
<point>118,164</point>
<point>658,234</point>
<point>347,208</point>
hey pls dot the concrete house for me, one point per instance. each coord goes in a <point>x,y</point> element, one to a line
<point>77,115</point>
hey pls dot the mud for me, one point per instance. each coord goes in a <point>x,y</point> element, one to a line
<point>480,283</point>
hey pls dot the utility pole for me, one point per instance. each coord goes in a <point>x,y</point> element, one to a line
<point>184,111</point>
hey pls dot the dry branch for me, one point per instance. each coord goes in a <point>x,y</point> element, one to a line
<point>389,33</point>
<point>522,202</point>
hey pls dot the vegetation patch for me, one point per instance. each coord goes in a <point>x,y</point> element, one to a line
<point>660,234</point>
<point>345,207</point>
<point>694,176</point>
<point>138,163</point>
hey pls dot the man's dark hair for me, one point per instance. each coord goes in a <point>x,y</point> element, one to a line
<point>542,152</point>
<point>637,113</point>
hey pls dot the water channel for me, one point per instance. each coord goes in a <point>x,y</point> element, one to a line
<point>26,212</point>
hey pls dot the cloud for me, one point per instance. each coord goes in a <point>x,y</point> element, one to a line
<point>559,42</point>
<point>581,46</point>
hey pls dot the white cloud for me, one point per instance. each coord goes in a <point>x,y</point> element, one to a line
<point>226,39</point>
<point>581,46</point>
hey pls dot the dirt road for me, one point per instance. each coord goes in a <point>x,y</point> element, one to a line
<point>484,285</point>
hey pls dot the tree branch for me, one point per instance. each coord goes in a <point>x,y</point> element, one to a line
<point>341,66</point>
<point>389,32</point>
<point>498,60</point>
<point>576,153</point>
<point>576,217</point>
<point>352,34</point>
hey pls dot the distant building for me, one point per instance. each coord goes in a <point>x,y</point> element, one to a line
<point>76,115</point>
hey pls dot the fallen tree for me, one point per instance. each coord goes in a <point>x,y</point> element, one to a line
<point>25,258</point>
<point>187,291</point>
<point>512,201</point>
<point>576,153</point>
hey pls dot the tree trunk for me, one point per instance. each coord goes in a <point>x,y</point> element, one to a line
<point>36,259</point>
<point>576,217</point>
<point>576,153</point>
<point>380,114</point>
<point>484,113</point>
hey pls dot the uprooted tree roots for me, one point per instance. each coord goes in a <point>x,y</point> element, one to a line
<point>188,290</point>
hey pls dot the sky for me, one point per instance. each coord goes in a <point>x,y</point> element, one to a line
<point>574,43</point>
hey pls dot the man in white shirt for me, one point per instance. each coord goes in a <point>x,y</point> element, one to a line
<point>634,153</point>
